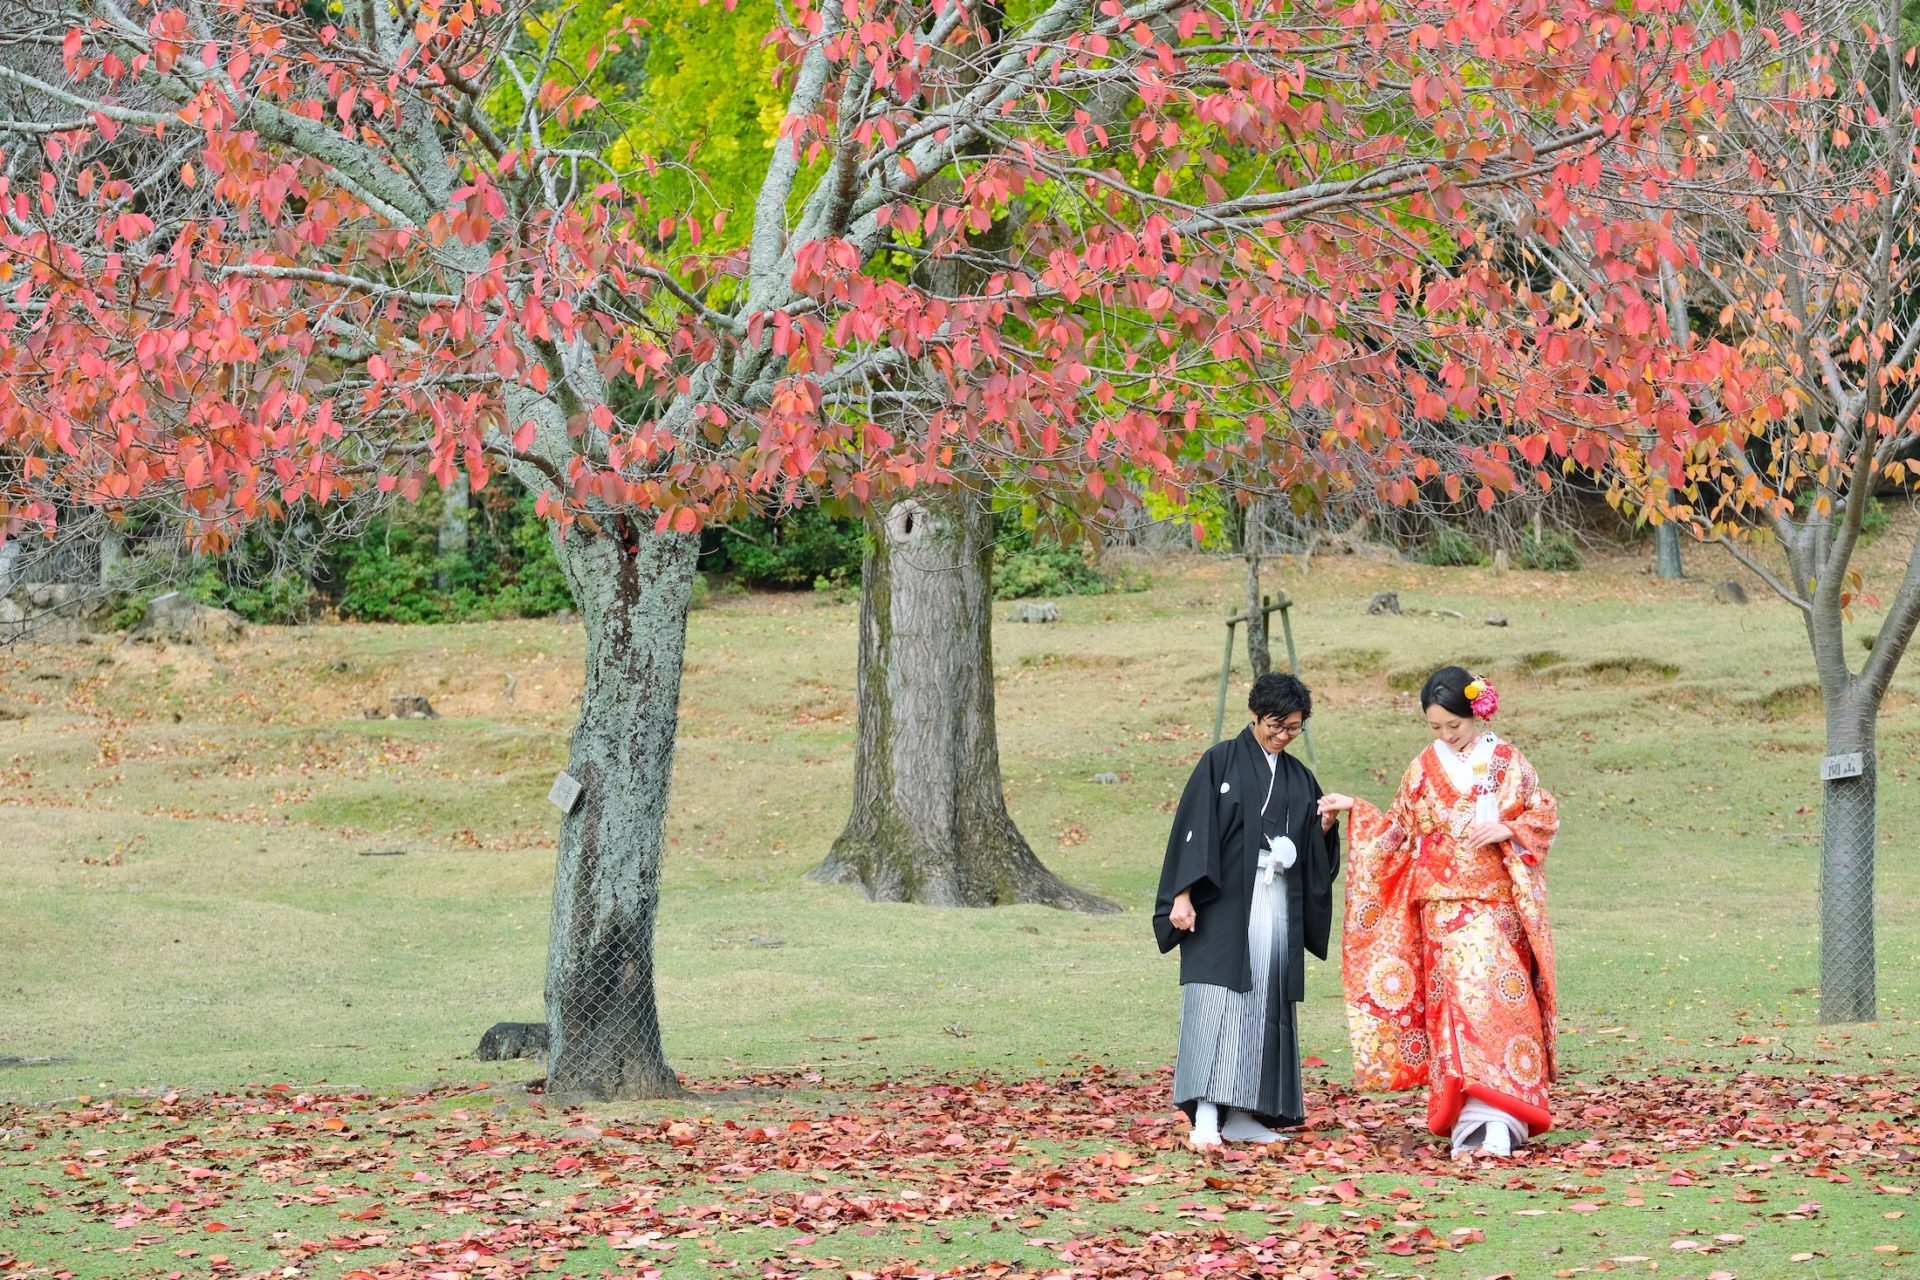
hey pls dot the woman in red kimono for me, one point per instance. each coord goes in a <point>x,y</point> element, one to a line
<point>1446,959</point>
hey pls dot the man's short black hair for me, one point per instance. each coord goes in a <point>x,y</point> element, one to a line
<point>1279,695</point>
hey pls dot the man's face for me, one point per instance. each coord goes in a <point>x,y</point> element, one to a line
<point>1276,733</point>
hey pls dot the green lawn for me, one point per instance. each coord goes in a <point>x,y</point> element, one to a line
<point>191,908</point>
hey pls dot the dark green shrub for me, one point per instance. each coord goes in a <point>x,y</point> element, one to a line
<point>1452,548</point>
<point>391,571</point>
<point>1022,569</point>
<point>127,611</point>
<point>532,584</point>
<point>1554,551</point>
<point>247,582</point>
<point>394,572</point>
<point>389,580</point>
<point>1043,569</point>
<point>793,552</point>
<point>1874,520</point>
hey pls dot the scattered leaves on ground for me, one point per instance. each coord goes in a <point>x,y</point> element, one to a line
<point>1083,1175</point>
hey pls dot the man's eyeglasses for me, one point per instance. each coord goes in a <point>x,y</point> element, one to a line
<point>1289,729</point>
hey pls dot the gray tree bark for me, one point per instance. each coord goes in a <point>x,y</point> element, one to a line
<point>453,524</point>
<point>633,588</point>
<point>1849,824</point>
<point>929,821</point>
<point>1666,551</point>
<point>1252,544</point>
<point>1849,828</point>
<point>1666,535</point>
<point>113,553</point>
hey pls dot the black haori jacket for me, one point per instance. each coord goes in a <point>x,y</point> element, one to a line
<point>1213,853</point>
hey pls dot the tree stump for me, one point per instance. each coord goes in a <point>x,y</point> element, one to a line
<point>507,1040</point>
<point>1730,592</point>
<point>413,706</point>
<point>1041,611</point>
<point>1385,602</point>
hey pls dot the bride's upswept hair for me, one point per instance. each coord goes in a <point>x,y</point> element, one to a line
<point>1447,688</point>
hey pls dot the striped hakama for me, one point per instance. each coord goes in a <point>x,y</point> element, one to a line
<point>1241,1049</point>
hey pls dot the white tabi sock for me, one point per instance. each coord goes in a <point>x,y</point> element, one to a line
<point>1206,1125</point>
<point>1242,1127</point>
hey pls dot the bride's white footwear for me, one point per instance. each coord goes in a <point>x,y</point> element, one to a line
<point>1469,1143</point>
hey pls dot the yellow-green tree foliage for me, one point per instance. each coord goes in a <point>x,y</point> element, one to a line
<point>689,85</point>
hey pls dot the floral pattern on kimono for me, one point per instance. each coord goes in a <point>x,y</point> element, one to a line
<point>1447,959</point>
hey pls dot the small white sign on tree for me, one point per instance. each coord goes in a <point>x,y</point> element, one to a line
<point>565,792</point>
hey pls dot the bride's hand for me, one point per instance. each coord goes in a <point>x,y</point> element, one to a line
<point>1333,802</point>
<point>1482,834</point>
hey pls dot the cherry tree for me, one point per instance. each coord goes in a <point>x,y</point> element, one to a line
<point>264,259</point>
<point>1797,193</point>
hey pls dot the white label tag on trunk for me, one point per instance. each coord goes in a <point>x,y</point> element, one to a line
<point>564,793</point>
<point>1850,765</point>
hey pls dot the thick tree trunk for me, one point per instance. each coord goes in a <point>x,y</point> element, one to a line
<point>1848,831</point>
<point>113,554</point>
<point>1666,551</point>
<point>929,821</point>
<point>632,588</point>
<point>453,526</point>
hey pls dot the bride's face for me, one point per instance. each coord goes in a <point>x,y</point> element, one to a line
<point>1457,732</point>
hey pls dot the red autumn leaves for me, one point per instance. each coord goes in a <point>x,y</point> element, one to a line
<point>1084,1170</point>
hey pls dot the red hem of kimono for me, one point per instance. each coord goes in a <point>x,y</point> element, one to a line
<point>1453,1092</point>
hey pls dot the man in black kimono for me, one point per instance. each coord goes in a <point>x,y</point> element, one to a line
<point>1247,887</point>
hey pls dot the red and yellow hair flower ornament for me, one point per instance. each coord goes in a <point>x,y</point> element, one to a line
<point>1480,693</point>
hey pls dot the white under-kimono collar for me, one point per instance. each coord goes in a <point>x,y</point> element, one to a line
<point>1280,853</point>
<point>1472,769</point>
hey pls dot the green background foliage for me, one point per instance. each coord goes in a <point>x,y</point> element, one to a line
<point>1452,548</point>
<point>393,570</point>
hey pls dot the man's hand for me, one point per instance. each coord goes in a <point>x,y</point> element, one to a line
<point>1182,917</point>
